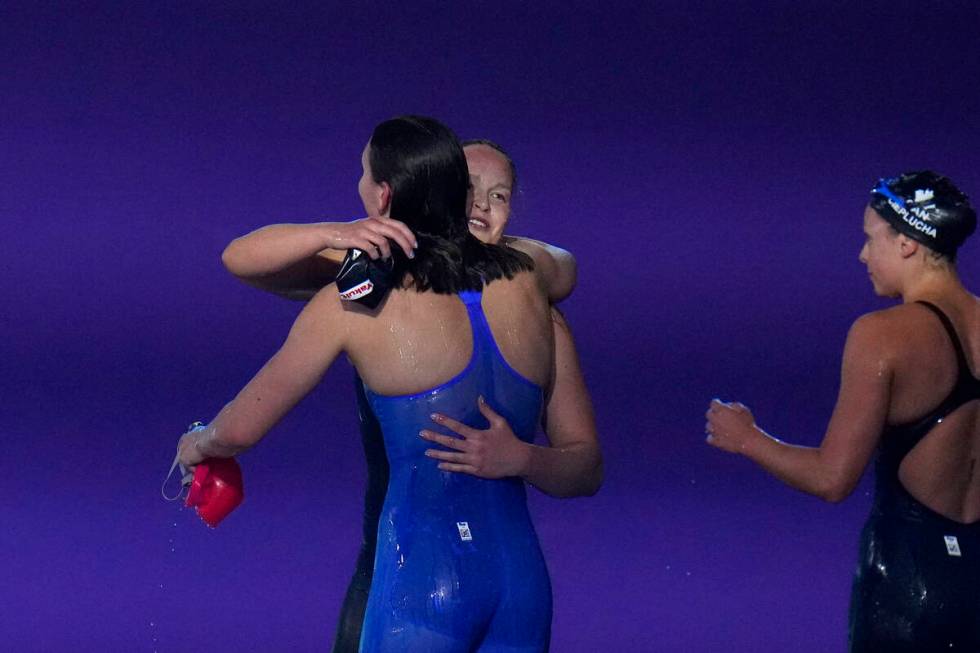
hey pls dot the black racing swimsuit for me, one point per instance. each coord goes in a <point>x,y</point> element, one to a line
<point>352,612</point>
<point>917,585</point>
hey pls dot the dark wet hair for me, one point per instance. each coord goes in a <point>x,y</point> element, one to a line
<point>423,163</point>
<point>926,207</point>
<point>502,151</point>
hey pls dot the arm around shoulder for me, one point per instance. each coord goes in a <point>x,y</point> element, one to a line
<point>555,266</point>
<point>296,260</point>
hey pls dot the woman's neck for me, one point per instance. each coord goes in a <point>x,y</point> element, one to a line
<point>933,283</point>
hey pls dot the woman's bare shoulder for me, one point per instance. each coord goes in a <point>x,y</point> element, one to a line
<point>893,334</point>
<point>887,320</point>
<point>523,287</point>
<point>326,308</point>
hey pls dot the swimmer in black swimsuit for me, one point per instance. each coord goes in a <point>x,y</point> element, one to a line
<point>351,620</point>
<point>907,391</point>
<point>295,260</point>
<point>906,546</point>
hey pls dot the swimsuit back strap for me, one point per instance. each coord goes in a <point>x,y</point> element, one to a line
<point>964,366</point>
<point>485,347</point>
<point>482,336</point>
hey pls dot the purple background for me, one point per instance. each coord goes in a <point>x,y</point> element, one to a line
<point>706,162</point>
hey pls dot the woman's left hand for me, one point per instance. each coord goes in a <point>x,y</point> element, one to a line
<point>492,453</point>
<point>730,426</point>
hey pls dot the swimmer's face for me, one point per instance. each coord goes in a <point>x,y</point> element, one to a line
<point>491,187</point>
<point>374,196</point>
<point>881,254</point>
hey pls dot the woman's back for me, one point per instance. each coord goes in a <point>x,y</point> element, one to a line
<point>458,565</point>
<point>418,341</point>
<point>915,585</point>
<point>934,414</point>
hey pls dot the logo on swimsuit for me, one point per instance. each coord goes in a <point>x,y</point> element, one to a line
<point>361,289</point>
<point>464,531</point>
<point>952,545</point>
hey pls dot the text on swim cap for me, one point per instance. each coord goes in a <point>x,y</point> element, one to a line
<point>914,217</point>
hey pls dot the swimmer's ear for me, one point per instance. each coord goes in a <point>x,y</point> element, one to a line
<point>384,203</point>
<point>907,246</point>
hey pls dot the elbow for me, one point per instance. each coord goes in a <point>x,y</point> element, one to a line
<point>834,496</point>
<point>590,490</point>
<point>231,258</point>
<point>594,480</point>
<point>567,276</point>
<point>570,266</point>
<point>588,484</point>
<point>835,490</point>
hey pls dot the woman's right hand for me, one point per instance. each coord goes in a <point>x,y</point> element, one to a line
<point>371,235</point>
<point>730,426</point>
<point>188,453</point>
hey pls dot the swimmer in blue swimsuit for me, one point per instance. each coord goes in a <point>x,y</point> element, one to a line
<point>285,259</point>
<point>458,566</point>
<point>415,341</point>
<point>493,181</point>
<point>907,393</point>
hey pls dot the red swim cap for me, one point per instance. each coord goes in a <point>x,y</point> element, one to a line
<point>216,489</point>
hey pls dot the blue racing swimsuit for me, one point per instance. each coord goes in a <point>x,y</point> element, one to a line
<point>917,586</point>
<point>458,567</point>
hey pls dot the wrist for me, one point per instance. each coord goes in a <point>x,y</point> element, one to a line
<point>525,459</point>
<point>201,443</point>
<point>328,235</point>
<point>754,442</point>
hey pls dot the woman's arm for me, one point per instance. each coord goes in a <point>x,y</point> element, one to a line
<point>572,464</point>
<point>314,341</point>
<point>555,266</point>
<point>296,260</point>
<point>832,470</point>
